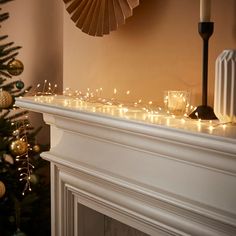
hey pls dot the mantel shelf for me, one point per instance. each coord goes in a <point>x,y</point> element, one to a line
<point>161,175</point>
<point>69,107</point>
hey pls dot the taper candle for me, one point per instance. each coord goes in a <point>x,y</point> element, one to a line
<point>205,10</point>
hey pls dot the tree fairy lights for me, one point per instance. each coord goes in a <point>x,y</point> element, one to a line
<point>20,148</point>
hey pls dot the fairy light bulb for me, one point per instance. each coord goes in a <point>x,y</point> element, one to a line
<point>211,128</point>
<point>55,87</point>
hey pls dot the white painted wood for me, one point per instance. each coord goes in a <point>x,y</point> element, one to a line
<point>157,179</point>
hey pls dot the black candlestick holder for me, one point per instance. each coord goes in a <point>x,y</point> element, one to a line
<point>204,111</point>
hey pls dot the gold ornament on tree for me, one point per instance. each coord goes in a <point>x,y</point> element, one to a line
<point>34,179</point>
<point>18,147</point>
<point>6,99</point>
<point>2,189</point>
<point>36,148</point>
<point>15,67</point>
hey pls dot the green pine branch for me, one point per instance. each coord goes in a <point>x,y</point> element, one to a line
<point>4,16</point>
<point>17,115</point>
<point>2,47</point>
<point>6,59</point>
<point>25,91</point>
<point>9,50</point>
<point>4,114</point>
<point>5,75</point>
<point>10,83</point>
<point>3,37</point>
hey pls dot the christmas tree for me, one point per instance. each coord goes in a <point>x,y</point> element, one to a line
<point>24,185</point>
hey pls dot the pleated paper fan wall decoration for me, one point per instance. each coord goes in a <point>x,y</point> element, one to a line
<point>99,17</point>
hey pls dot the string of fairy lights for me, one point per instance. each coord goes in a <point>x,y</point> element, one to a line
<point>21,148</point>
<point>94,101</point>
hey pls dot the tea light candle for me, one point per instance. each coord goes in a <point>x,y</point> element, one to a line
<point>177,102</point>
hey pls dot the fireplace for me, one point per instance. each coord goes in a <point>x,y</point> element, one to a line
<point>155,178</point>
<point>91,222</point>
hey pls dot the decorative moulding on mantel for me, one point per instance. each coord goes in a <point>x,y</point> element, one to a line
<point>160,180</point>
<point>99,17</point>
<point>139,135</point>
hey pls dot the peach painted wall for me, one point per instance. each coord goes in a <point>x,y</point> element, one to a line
<point>158,49</point>
<point>36,25</point>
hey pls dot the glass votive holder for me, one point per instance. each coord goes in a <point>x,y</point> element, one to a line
<point>177,102</point>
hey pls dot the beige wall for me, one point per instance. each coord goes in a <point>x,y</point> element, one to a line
<point>158,49</point>
<point>36,25</point>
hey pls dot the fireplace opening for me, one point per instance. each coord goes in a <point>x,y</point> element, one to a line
<point>93,223</point>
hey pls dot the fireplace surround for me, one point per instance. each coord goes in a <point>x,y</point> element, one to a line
<point>158,179</point>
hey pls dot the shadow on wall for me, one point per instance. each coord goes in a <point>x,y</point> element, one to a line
<point>47,51</point>
<point>48,42</point>
<point>140,16</point>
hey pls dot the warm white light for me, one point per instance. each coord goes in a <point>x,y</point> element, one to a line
<point>167,121</point>
<point>211,128</point>
<point>176,102</point>
<point>93,101</point>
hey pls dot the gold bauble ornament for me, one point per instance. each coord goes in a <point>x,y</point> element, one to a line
<point>18,147</point>
<point>36,148</point>
<point>15,67</point>
<point>33,179</point>
<point>2,189</point>
<point>6,99</point>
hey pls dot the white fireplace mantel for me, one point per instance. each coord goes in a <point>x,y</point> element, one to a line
<point>158,179</point>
